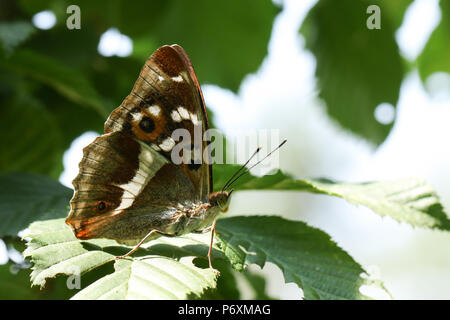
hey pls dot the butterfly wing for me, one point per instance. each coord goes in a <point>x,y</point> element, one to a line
<point>127,184</point>
<point>166,97</point>
<point>124,189</point>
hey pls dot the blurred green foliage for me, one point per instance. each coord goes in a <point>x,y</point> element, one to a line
<point>435,57</point>
<point>357,68</point>
<point>360,68</point>
<point>54,85</point>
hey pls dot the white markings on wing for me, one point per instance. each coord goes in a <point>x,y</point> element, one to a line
<point>167,144</point>
<point>116,124</point>
<point>154,110</point>
<point>155,147</point>
<point>137,116</point>
<point>185,76</point>
<point>194,119</point>
<point>178,78</point>
<point>126,202</point>
<point>149,163</point>
<point>183,113</point>
<point>175,116</point>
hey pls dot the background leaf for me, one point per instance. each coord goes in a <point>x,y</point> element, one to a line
<point>407,200</point>
<point>237,35</point>
<point>434,57</point>
<point>68,82</point>
<point>258,284</point>
<point>25,198</point>
<point>393,11</point>
<point>39,148</point>
<point>306,255</point>
<point>357,68</point>
<point>16,286</point>
<point>46,128</point>
<point>14,33</point>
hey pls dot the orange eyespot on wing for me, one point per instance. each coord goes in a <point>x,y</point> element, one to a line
<point>87,228</point>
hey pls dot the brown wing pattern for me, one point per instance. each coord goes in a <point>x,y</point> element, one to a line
<point>165,97</point>
<point>124,189</point>
<point>127,184</point>
<point>111,172</point>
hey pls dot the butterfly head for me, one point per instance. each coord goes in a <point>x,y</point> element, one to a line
<point>221,199</point>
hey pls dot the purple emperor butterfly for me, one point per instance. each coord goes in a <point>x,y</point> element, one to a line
<point>128,188</point>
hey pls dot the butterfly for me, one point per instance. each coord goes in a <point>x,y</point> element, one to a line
<point>128,187</point>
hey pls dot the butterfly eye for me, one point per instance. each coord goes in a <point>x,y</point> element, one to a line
<point>101,206</point>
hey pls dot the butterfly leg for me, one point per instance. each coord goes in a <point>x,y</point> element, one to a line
<point>142,241</point>
<point>213,231</point>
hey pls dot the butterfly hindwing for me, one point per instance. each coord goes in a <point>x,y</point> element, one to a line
<point>122,187</point>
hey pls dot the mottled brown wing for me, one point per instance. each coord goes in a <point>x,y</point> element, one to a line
<point>124,189</point>
<point>166,97</point>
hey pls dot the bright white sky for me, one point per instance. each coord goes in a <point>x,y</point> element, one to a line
<point>282,94</point>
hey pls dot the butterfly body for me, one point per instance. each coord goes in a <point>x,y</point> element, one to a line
<point>172,221</point>
<point>128,184</point>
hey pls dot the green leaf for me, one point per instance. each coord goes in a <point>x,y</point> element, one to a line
<point>412,201</point>
<point>395,11</point>
<point>30,144</point>
<point>15,285</point>
<point>12,34</point>
<point>164,268</point>
<point>68,82</point>
<point>152,277</point>
<point>225,40</point>
<point>46,128</point>
<point>258,284</point>
<point>227,282</point>
<point>406,200</point>
<point>357,68</point>
<point>25,198</point>
<point>307,256</point>
<point>434,57</point>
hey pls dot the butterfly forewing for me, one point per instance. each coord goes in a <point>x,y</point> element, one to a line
<point>128,183</point>
<point>166,97</point>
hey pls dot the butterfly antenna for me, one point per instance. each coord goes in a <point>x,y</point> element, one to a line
<point>248,169</point>
<point>241,168</point>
